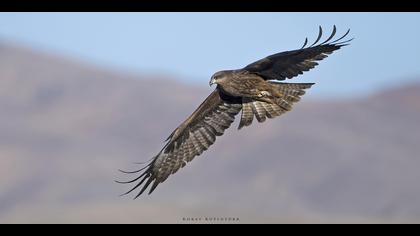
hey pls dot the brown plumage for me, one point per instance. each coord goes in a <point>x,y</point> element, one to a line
<point>252,90</point>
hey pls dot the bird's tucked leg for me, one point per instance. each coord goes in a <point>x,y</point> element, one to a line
<point>264,94</point>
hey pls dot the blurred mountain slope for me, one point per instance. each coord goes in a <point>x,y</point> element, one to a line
<point>68,126</point>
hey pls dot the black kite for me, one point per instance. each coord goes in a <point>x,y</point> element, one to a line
<point>252,89</point>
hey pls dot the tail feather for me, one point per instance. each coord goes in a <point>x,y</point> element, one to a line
<point>286,95</point>
<point>259,111</point>
<point>247,113</point>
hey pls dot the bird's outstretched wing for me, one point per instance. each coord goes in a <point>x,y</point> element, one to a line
<point>190,139</point>
<point>292,63</point>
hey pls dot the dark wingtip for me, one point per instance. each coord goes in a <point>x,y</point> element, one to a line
<point>318,38</point>
<point>304,44</point>
<point>327,41</point>
<point>155,184</point>
<point>344,43</point>
<point>337,40</point>
<point>122,195</point>
<point>331,36</point>
<point>349,40</point>
<point>129,172</point>
<point>122,182</point>
<point>137,185</point>
<point>147,174</point>
<point>144,187</point>
<point>127,182</point>
<point>136,171</point>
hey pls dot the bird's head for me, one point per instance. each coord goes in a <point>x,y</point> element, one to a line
<point>217,77</point>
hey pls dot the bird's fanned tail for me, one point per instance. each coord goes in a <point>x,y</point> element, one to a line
<point>290,94</point>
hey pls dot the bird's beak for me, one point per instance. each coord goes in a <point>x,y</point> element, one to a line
<point>212,81</point>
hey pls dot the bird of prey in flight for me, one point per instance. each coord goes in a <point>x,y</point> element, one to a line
<point>254,90</point>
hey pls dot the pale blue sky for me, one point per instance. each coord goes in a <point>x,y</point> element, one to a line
<point>192,46</point>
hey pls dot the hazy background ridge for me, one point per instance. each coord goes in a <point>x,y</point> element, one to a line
<point>67,126</point>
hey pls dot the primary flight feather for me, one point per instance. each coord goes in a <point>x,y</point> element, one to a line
<point>254,90</point>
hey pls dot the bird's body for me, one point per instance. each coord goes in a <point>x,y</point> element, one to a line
<point>254,90</point>
<point>241,83</point>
